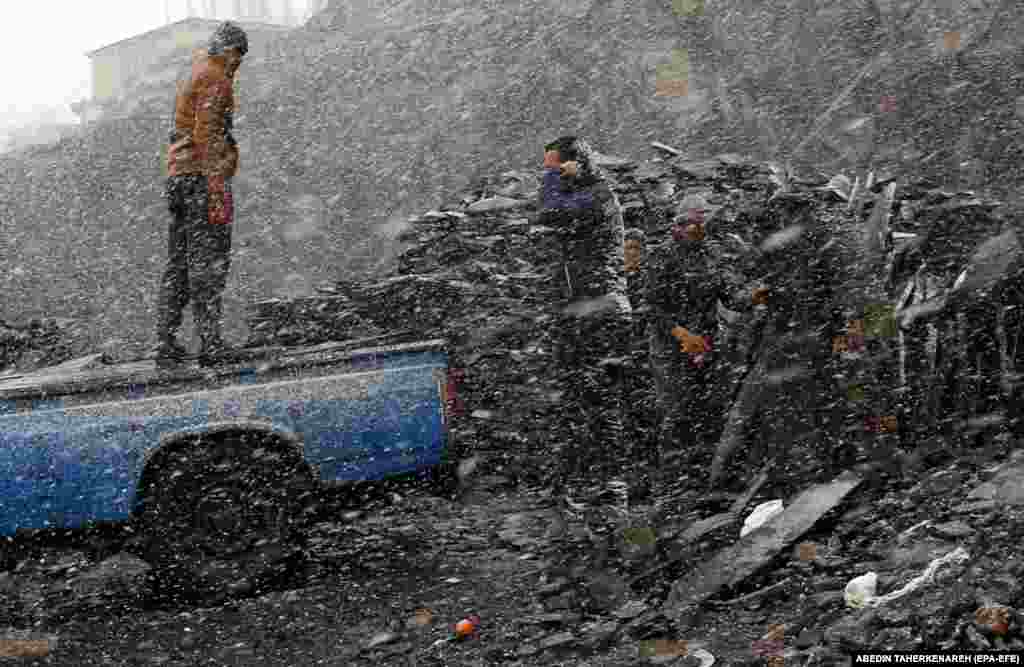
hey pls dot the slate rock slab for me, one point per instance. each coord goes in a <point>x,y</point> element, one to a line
<point>1006,488</point>
<point>953,530</point>
<point>734,564</point>
<point>559,640</point>
<point>495,204</point>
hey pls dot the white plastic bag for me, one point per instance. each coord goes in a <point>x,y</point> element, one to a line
<point>761,515</point>
<point>861,589</point>
<point>860,592</point>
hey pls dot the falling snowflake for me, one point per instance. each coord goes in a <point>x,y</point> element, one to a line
<point>782,238</point>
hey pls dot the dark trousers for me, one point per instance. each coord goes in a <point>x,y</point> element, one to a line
<point>590,352</point>
<point>198,261</point>
<point>687,404</point>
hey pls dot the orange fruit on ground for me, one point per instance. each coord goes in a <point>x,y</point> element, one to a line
<point>464,628</point>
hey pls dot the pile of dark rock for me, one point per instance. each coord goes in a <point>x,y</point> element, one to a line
<point>479,272</point>
<point>296,321</point>
<point>54,585</point>
<point>38,343</point>
<point>973,603</point>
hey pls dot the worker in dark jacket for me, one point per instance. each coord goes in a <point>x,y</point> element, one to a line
<point>685,283</point>
<point>594,317</point>
<point>201,161</point>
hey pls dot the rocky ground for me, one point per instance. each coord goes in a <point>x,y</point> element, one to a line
<point>387,586</point>
<point>387,581</point>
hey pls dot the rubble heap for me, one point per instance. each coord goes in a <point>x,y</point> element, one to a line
<point>477,271</point>
<point>38,343</point>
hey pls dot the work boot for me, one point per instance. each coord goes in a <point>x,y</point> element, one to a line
<point>170,352</point>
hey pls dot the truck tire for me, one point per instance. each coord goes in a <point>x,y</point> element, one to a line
<point>223,516</point>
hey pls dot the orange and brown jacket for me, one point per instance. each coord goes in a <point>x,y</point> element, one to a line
<point>202,110</point>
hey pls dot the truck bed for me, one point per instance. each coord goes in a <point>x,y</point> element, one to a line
<point>75,440</point>
<point>68,379</point>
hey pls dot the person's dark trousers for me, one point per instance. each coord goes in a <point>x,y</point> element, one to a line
<point>686,407</point>
<point>198,261</point>
<point>593,394</point>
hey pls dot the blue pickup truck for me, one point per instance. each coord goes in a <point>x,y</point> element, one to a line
<point>218,468</point>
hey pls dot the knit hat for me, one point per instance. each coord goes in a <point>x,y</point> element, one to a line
<point>226,36</point>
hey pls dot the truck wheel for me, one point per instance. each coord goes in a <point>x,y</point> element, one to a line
<point>223,516</point>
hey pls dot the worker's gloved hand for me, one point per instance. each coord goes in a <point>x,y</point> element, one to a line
<point>688,342</point>
<point>696,345</point>
<point>569,169</point>
<point>759,297</point>
<point>220,203</point>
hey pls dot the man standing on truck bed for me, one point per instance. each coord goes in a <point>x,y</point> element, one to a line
<point>202,159</point>
<point>592,329</point>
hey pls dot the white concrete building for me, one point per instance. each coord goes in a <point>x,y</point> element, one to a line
<point>131,74</point>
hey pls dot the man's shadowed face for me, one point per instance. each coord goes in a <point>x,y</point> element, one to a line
<point>233,58</point>
<point>569,170</point>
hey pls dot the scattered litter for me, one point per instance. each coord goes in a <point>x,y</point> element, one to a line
<point>761,515</point>
<point>861,589</point>
<point>994,617</point>
<point>652,648</point>
<point>422,617</point>
<point>467,627</point>
<point>705,657</point>
<point>860,592</point>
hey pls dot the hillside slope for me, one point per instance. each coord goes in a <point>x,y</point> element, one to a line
<point>375,115</point>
